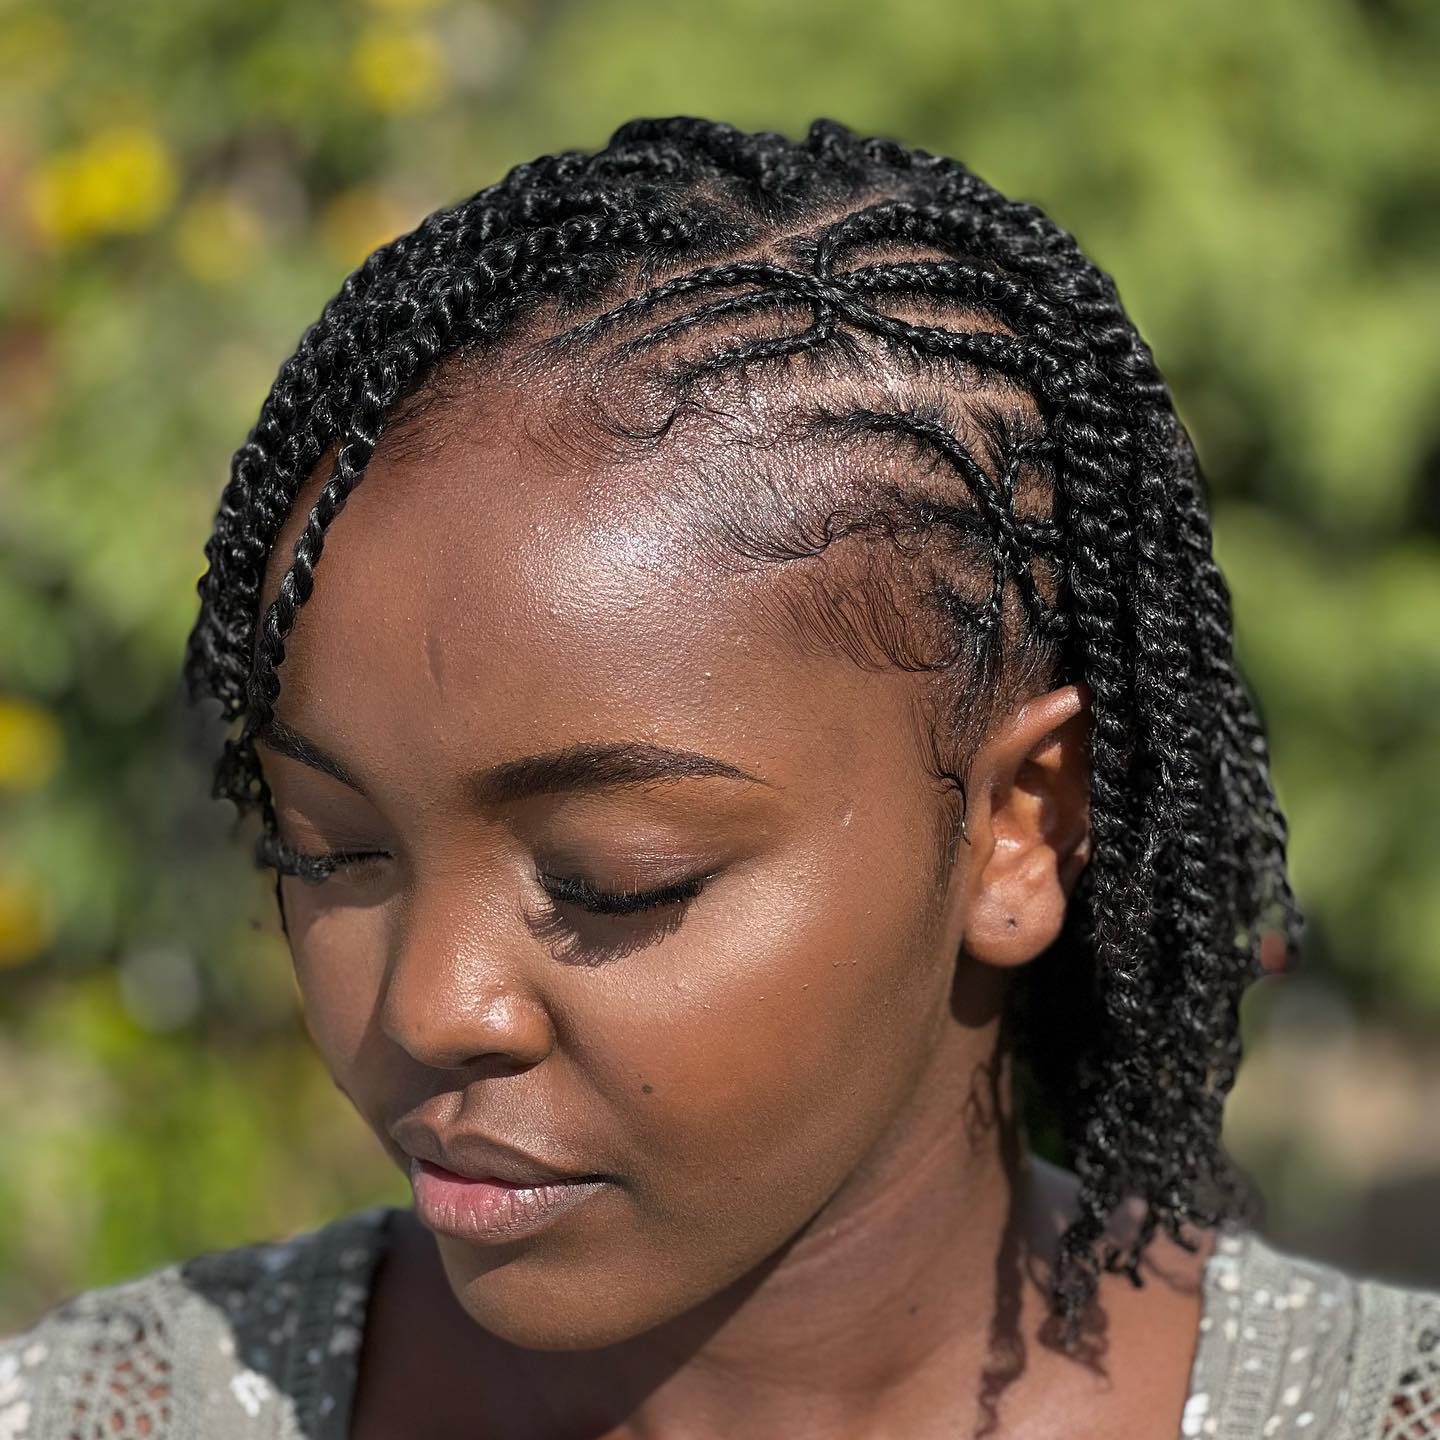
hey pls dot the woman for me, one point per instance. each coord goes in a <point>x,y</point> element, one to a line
<point>766,714</point>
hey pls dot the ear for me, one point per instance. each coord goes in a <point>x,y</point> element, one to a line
<point>1029,827</point>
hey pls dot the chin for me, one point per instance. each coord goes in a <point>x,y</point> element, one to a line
<point>546,1302</point>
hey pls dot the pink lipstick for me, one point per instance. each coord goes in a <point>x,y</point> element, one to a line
<point>491,1211</point>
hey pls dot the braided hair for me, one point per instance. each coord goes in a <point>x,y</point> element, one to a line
<point>1011,441</point>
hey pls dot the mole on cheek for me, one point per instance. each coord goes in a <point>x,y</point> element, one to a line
<point>648,1089</point>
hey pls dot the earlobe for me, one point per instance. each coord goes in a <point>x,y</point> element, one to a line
<point>1018,913</point>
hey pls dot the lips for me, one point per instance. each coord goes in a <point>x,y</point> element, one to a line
<point>486,1190</point>
<point>468,1155</point>
<point>489,1212</point>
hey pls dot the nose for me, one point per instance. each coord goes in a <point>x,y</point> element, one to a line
<point>459,986</point>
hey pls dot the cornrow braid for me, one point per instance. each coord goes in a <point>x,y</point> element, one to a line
<point>688,248</point>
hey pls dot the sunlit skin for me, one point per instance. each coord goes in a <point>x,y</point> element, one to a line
<point>792,1078</point>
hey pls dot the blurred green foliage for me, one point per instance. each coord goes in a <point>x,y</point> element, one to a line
<point>183,185</point>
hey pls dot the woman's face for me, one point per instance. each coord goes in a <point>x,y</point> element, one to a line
<point>728,1063</point>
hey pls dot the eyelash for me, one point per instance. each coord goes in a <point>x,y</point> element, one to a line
<point>315,869</point>
<point>585,896</point>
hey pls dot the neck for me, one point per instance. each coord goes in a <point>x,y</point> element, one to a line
<point>893,1280</point>
<point>894,1307</point>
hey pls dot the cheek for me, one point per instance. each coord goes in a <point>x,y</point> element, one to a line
<point>775,1056</point>
<point>777,1048</point>
<point>339,957</point>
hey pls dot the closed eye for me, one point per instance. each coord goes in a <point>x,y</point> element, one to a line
<point>583,895</point>
<point>597,926</point>
<point>317,867</point>
<point>573,940</point>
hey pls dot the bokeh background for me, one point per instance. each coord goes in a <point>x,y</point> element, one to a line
<point>183,185</point>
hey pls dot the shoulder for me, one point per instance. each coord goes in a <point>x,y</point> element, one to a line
<point>1293,1347</point>
<point>200,1347</point>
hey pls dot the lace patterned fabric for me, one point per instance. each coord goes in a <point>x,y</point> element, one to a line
<point>264,1340</point>
<point>1414,1398</point>
<point>1290,1349</point>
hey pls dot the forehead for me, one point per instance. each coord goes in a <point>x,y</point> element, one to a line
<point>503,586</point>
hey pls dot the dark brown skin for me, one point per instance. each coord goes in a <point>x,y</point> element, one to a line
<point>822,1223</point>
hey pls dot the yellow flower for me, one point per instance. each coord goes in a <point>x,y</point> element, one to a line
<point>30,744</point>
<point>398,68</point>
<point>356,221</point>
<point>218,237</point>
<point>120,181</point>
<point>26,922</point>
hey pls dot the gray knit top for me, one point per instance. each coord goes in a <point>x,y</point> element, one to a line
<point>264,1340</point>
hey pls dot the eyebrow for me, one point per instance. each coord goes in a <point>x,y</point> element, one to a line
<point>588,765</point>
<point>279,737</point>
